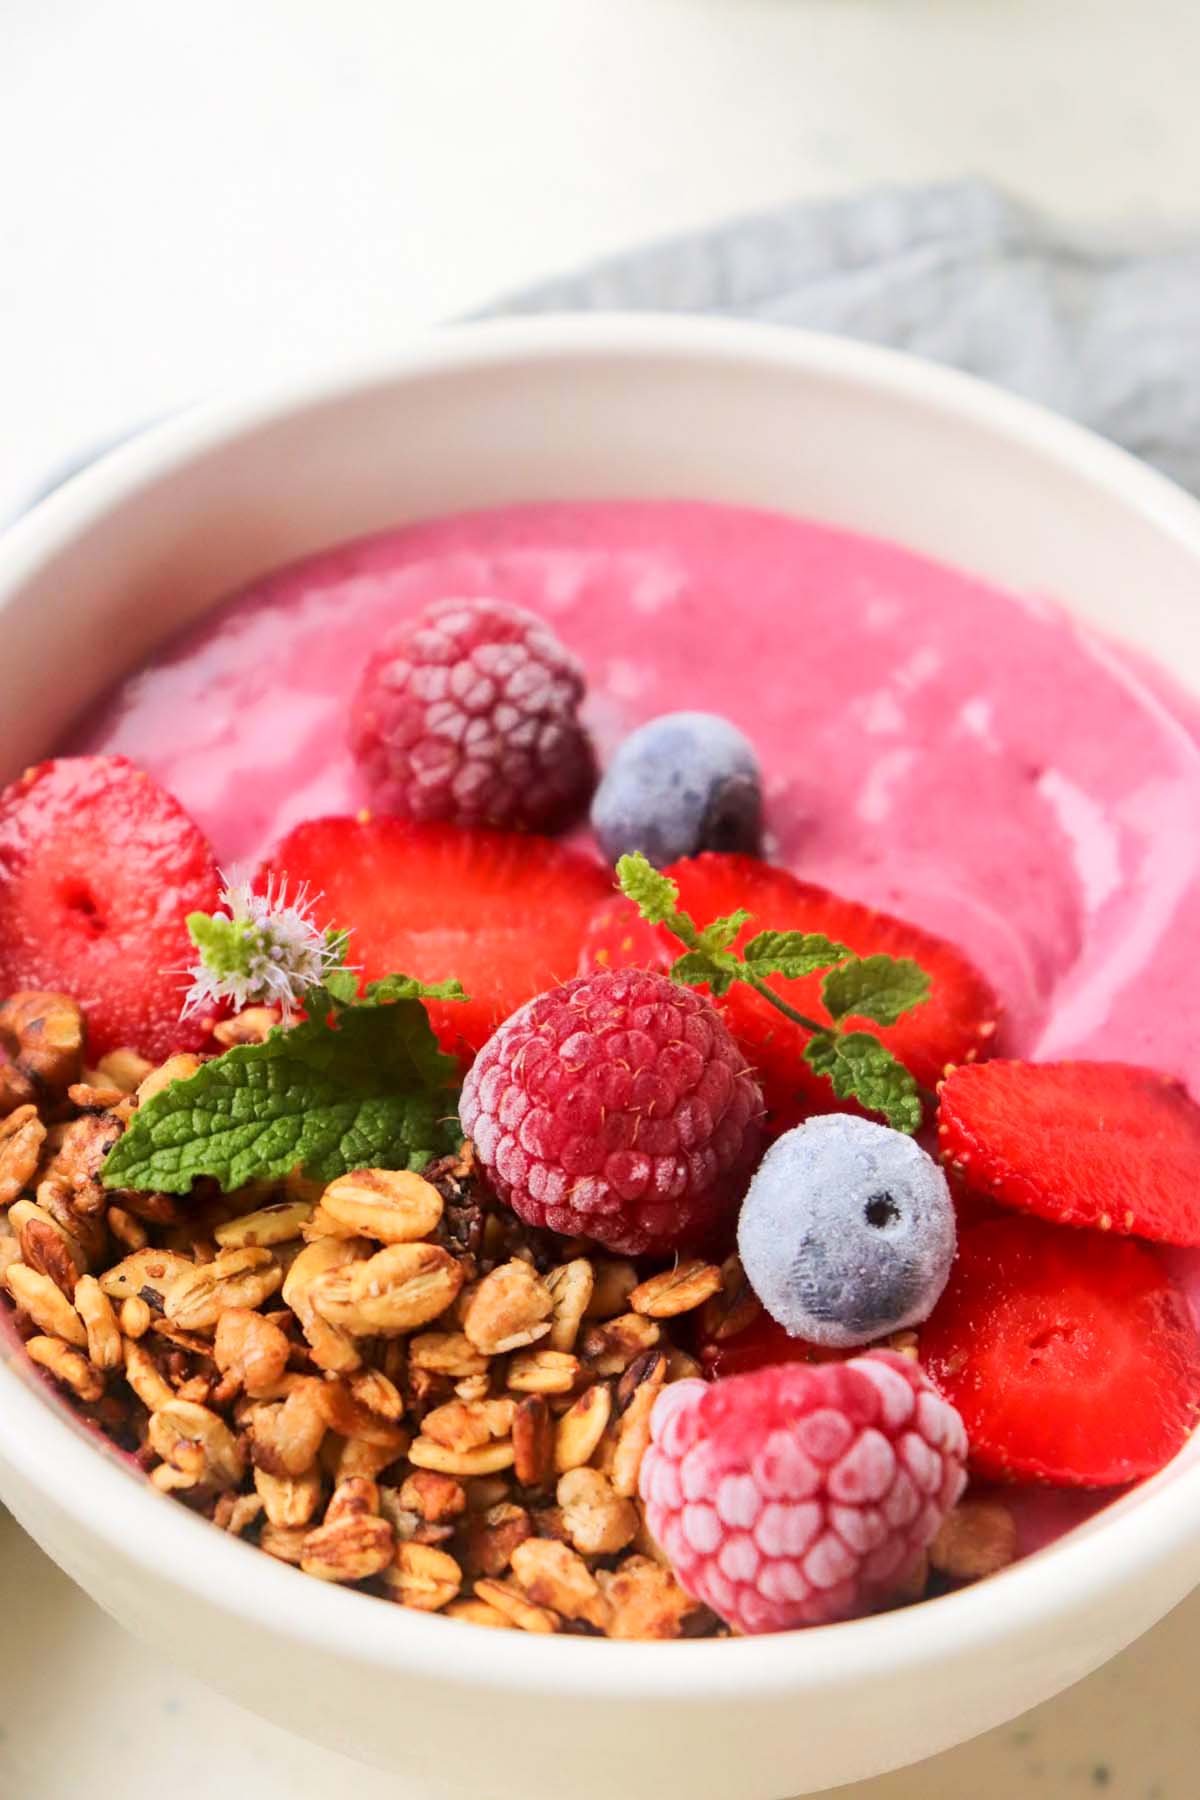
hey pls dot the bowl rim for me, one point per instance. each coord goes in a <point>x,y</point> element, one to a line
<point>166,1542</point>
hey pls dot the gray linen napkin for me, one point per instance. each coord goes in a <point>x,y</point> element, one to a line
<point>1105,330</point>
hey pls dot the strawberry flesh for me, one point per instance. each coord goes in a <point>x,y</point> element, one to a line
<point>99,868</point>
<point>1085,1143</point>
<point>617,937</point>
<point>504,912</point>
<point>956,1024</point>
<point>1071,1356</point>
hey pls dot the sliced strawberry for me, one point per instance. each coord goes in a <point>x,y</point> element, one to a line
<point>1085,1143</point>
<point>617,937</point>
<point>504,912</point>
<point>956,1024</point>
<point>1070,1355</point>
<point>99,868</point>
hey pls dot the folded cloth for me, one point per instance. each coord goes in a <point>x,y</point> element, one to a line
<point>1104,330</point>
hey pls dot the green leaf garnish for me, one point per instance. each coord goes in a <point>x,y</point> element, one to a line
<point>880,988</point>
<point>407,987</point>
<point>792,953</point>
<point>358,1084</point>
<point>860,1068</point>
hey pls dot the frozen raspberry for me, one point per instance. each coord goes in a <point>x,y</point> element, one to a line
<point>467,713</point>
<point>804,1494</point>
<point>616,1107</point>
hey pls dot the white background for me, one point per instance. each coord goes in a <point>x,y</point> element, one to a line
<point>194,195</point>
<point>196,192</point>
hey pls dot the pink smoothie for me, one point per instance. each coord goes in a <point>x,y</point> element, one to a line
<point>969,759</point>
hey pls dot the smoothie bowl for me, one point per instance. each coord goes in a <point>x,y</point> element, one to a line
<point>597,1012</point>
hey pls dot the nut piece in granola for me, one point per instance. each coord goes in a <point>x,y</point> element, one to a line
<point>46,1304</point>
<point>65,1363</point>
<point>646,1601</point>
<point>542,1372</point>
<point>280,1223</point>
<point>22,1136</point>
<point>510,1308</point>
<point>394,1292</point>
<point>289,1500</point>
<point>241,1278</point>
<point>579,1431</point>
<point>598,1520</point>
<point>515,1607</point>
<point>332,1348</point>
<point>554,1576</point>
<point>677,1290</point>
<point>570,1287</point>
<point>43,1033</point>
<point>351,1547</point>
<point>533,1442</point>
<point>251,1350</point>
<point>490,1537</point>
<point>197,1442</point>
<point>435,1498</point>
<point>423,1577</point>
<point>610,1348</point>
<point>100,1322</point>
<point>392,1205</point>
<point>978,1538</point>
<point>147,1274</point>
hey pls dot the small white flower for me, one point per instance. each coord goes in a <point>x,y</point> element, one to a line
<point>261,950</point>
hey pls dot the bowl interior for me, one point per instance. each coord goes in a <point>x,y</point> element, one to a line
<point>141,544</point>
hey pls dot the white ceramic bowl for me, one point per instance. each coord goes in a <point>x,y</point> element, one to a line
<point>589,407</point>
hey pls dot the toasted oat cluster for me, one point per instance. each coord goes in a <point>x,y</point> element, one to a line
<point>390,1383</point>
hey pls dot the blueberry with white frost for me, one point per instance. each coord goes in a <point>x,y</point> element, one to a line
<point>682,783</point>
<point>847,1232</point>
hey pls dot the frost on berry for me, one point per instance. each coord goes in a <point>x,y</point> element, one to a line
<point>468,713</point>
<point>799,1495</point>
<point>617,1107</point>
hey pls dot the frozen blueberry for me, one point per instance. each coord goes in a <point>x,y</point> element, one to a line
<point>678,785</point>
<point>847,1231</point>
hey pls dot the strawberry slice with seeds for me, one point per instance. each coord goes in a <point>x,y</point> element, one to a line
<point>955,1024</point>
<point>617,937</point>
<point>1083,1143</point>
<point>99,868</point>
<point>504,912</point>
<point>1070,1356</point>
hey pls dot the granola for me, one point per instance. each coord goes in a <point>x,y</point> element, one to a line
<point>390,1384</point>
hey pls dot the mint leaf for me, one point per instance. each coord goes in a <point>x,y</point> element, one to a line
<point>792,953</point>
<point>655,896</point>
<point>341,985</point>
<point>860,1068</point>
<point>880,988</point>
<point>696,968</point>
<point>407,987</point>
<point>371,1091</point>
<point>721,933</point>
<point>875,987</point>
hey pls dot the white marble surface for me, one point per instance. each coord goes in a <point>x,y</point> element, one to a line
<point>193,195</point>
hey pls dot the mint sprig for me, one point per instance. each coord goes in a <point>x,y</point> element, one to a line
<point>879,988</point>
<point>360,1083</point>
